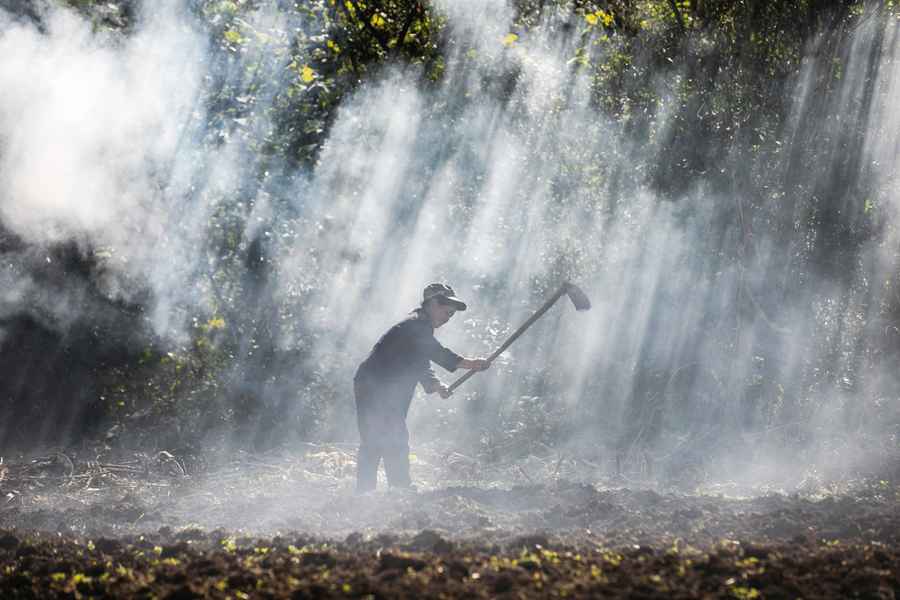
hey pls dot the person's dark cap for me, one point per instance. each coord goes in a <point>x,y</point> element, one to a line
<point>444,293</point>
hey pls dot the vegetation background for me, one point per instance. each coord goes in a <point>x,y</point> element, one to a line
<point>749,124</point>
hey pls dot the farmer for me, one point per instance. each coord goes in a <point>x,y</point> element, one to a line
<point>386,380</point>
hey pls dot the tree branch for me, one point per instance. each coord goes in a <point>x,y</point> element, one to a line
<point>367,23</point>
<point>677,13</point>
<point>410,18</point>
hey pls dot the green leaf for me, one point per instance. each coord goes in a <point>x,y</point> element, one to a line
<point>233,36</point>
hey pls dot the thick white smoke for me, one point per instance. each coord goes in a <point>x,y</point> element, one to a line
<point>502,178</point>
<point>93,136</point>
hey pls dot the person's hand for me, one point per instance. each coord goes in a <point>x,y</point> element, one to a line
<point>476,364</point>
<point>444,391</point>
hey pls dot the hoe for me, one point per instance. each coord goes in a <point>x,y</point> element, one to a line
<point>578,298</point>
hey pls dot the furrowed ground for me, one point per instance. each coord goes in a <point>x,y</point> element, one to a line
<point>287,525</point>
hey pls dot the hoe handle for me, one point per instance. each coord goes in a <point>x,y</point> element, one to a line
<point>537,315</point>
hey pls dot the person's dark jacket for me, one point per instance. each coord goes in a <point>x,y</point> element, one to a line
<point>402,358</point>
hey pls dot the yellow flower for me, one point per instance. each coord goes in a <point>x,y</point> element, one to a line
<point>599,16</point>
<point>216,323</point>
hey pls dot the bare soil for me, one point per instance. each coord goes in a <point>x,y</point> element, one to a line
<point>289,525</point>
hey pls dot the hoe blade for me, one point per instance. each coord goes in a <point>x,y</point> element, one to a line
<point>578,297</point>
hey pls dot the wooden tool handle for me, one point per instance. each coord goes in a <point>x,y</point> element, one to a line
<point>537,315</point>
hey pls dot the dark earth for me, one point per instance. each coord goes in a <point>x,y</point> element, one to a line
<point>288,525</point>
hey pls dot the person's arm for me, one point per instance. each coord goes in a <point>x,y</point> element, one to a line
<point>430,382</point>
<point>451,361</point>
<point>436,352</point>
<point>474,364</point>
<point>477,364</point>
<point>448,359</point>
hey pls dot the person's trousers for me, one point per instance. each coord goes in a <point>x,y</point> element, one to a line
<point>382,434</point>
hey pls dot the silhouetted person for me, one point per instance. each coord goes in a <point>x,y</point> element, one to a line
<point>386,380</point>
